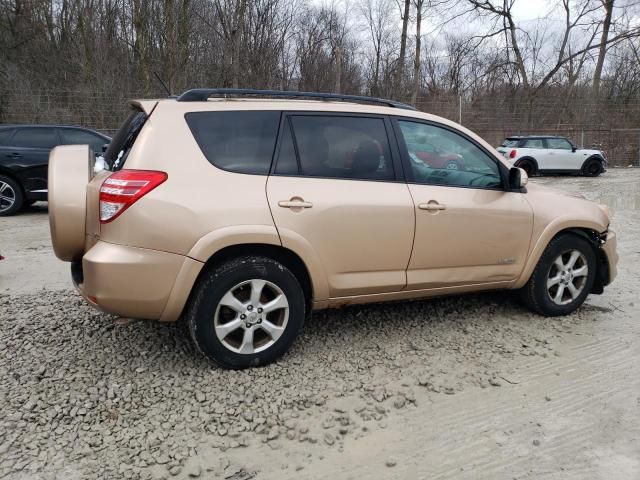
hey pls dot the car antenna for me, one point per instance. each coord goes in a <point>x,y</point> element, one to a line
<point>164,85</point>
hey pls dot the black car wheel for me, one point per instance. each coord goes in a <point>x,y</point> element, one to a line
<point>592,168</point>
<point>11,196</point>
<point>563,277</point>
<point>246,312</point>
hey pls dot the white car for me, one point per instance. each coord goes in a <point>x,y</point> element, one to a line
<point>550,154</point>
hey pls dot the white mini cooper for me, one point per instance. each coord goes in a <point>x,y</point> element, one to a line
<point>549,154</point>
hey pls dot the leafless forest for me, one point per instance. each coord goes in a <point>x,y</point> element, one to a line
<point>573,71</point>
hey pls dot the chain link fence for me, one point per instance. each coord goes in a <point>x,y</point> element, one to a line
<point>610,127</point>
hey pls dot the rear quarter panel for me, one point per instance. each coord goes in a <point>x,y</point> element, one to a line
<point>197,198</point>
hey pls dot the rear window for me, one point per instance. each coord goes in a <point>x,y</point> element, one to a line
<point>123,140</point>
<point>241,142</point>
<point>510,142</point>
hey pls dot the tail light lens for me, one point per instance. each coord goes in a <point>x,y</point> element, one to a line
<point>124,188</point>
<point>513,153</point>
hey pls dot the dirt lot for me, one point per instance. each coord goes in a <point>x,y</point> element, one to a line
<point>468,387</point>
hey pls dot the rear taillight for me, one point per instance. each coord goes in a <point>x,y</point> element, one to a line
<point>124,188</point>
<point>513,153</point>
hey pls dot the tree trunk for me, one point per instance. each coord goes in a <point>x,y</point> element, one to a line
<point>236,36</point>
<point>416,62</point>
<point>403,46</point>
<point>338,59</point>
<point>597,74</point>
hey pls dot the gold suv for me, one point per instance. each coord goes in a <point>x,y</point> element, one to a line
<point>242,211</point>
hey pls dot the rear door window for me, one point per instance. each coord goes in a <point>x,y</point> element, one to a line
<point>238,141</point>
<point>123,140</point>
<point>340,147</point>
<point>40,137</point>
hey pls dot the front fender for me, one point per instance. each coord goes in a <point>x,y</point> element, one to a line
<point>554,228</point>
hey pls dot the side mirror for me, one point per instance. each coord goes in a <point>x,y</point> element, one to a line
<point>104,147</point>
<point>518,178</point>
<point>573,148</point>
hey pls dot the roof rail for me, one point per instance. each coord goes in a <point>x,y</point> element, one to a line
<point>202,94</point>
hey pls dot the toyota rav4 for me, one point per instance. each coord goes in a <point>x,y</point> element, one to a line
<point>243,211</point>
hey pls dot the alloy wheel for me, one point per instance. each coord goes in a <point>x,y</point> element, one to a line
<point>567,277</point>
<point>7,196</point>
<point>251,316</point>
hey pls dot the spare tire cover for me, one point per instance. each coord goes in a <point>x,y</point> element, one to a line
<point>70,169</point>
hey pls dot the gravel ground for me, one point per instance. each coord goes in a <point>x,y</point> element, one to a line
<point>366,392</point>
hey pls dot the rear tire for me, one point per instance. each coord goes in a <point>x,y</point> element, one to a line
<point>563,277</point>
<point>11,196</point>
<point>246,312</point>
<point>592,168</point>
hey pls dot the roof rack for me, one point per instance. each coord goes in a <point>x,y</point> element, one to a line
<point>202,94</point>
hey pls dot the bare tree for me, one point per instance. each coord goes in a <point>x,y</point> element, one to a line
<point>419,7</point>
<point>606,25</point>
<point>403,44</point>
<point>377,15</point>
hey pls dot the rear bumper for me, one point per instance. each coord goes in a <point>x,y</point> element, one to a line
<point>135,282</point>
<point>610,249</point>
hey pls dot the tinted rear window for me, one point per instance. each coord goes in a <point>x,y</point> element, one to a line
<point>342,147</point>
<point>510,142</point>
<point>123,140</point>
<point>241,142</point>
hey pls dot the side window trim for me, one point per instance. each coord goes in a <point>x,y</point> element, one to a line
<point>398,168</point>
<point>282,126</point>
<point>504,174</point>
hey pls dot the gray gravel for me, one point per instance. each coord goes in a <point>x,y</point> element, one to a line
<point>79,389</point>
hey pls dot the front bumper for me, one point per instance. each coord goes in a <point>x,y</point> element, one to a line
<point>610,249</point>
<point>135,282</point>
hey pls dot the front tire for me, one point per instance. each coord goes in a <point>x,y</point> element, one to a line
<point>246,312</point>
<point>11,196</point>
<point>592,168</point>
<point>563,277</point>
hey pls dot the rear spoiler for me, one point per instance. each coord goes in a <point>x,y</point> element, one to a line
<point>147,106</point>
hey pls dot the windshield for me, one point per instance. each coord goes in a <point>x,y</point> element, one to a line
<point>123,140</point>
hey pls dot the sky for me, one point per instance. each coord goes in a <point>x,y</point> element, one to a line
<point>530,9</point>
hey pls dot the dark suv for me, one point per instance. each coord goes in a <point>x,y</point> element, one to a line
<point>24,157</point>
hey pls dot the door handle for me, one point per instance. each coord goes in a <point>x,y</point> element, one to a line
<point>294,204</point>
<point>14,155</point>
<point>431,206</point>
